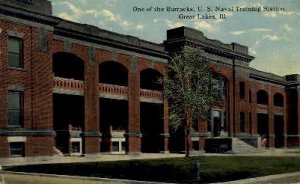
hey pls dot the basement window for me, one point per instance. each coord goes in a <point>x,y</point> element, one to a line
<point>75,147</point>
<point>16,149</point>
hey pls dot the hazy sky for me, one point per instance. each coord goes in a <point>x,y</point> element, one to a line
<point>273,37</point>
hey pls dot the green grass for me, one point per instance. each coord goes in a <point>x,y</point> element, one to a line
<point>181,170</point>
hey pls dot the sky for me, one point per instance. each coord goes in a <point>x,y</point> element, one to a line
<point>273,37</point>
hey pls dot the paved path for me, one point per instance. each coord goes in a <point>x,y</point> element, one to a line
<point>288,178</point>
<point>89,158</point>
<point>273,179</point>
<point>28,179</point>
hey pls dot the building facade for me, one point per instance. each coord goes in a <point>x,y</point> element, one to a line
<point>70,88</point>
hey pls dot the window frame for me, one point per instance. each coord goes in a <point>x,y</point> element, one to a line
<point>20,53</point>
<point>21,149</point>
<point>242,90</point>
<point>20,109</point>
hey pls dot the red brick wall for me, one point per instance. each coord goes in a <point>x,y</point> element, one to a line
<point>35,146</point>
<point>35,79</point>
<point>270,108</point>
<point>4,147</point>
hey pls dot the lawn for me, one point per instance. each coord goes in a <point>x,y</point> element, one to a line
<point>179,170</point>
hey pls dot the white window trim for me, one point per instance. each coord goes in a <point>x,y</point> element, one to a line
<point>16,139</point>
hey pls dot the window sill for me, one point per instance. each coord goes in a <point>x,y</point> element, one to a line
<point>16,68</point>
<point>278,106</point>
<point>15,127</point>
<point>16,156</point>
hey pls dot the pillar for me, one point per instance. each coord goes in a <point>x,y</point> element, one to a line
<point>165,135</point>
<point>202,126</point>
<point>271,120</point>
<point>134,135</point>
<point>91,133</point>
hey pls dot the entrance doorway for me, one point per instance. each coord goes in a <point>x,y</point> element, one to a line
<point>262,125</point>
<point>217,125</point>
<point>279,131</point>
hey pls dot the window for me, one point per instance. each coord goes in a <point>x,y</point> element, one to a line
<point>123,146</point>
<point>16,149</point>
<point>242,122</point>
<point>195,145</point>
<point>115,146</point>
<point>262,97</point>
<point>75,147</point>
<point>118,146</point>
<point>221,83</point>
<point>15,108</point>
<point>15,52</point>
<point>242,90</point>
<point>278,100</point>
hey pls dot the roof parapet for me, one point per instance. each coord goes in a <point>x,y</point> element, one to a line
<point>293,77</point>
<point>190,35</point>
<point>40,6</point>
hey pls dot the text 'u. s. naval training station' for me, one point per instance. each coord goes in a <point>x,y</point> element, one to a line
<point>207,12</point>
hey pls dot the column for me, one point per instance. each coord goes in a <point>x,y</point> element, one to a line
<point>271,119</point>
<point>134,135</point>
<point>165,135</point>
<point>202,126</point>
<point>91,134</point>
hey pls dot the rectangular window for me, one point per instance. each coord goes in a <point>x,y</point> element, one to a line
<point>123,146</point>
<point>15,108</point>
<point>15,52</point>
<point>75,147</point>
<point>115,146</point>
<point>242,122</point>
<point>16,149</point>
<point>195,145</point>
<point>242,90</point>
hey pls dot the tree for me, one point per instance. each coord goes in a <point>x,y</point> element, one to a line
<point>190,89</point>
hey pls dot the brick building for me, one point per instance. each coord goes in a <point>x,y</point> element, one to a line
<point>77,89</point>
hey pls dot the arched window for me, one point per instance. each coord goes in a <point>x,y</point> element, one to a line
<point>150,79</point>
<point>112,72</point>
<point>278,100</point>
<point>223,84</point>
<point>68,66</point>
<point>262,97</point>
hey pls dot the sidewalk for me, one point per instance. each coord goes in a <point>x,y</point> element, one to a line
<point>16,178</point>
<point>88,158</point>
<point>111,157</point>
<point>273,179</point>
